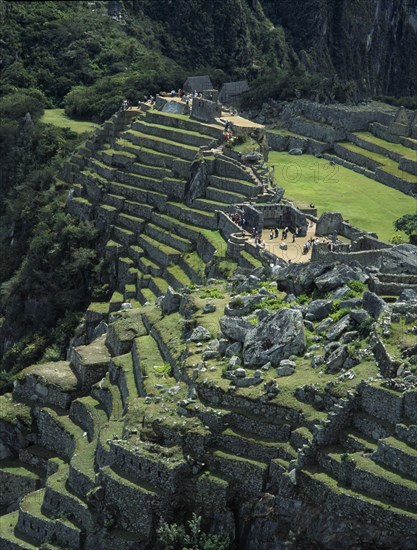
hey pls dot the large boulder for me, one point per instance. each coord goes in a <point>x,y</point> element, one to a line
<point>373,304</point>
<point>235,328</point>
<point>277,337</point>
<point>338,276</point>
<point>171,301</point>
<point>400,259</point>
<point>319,309</point>
<point>299,278</point>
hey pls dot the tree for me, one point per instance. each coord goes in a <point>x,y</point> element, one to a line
<point>408,224</point>
<point>190,537</point>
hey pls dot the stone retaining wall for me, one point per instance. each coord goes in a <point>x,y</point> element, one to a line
<point>381,403</point>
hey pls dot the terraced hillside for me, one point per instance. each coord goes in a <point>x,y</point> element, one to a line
<point>163,401</point>
<point>162,228</point>
<point>374,140</point>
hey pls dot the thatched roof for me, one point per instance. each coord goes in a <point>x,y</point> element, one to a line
<point>231,90</point>
<point>199,83</point>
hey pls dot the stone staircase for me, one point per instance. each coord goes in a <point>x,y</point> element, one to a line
<point>368,466</point>
<point>136,192</point>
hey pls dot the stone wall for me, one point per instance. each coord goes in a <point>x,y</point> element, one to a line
<point>382,403</point>
<point>283,215</point>
<point>205,110</point>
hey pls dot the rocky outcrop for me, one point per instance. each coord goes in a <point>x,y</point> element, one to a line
<point>277,337</point>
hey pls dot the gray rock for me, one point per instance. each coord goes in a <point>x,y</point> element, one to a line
<point>235,328</point>
<point>324,325</point>
<point>267,366</point>
<point>234,362</point>
<point>299,278</point>
<point>407,295</point>
<point>309,325</point>
<point>277,337</point>
<point>295,151</point>
<point>351,303</point>
<point>99,330</point>
<point>338,276</point>
<point>373,304</point>
<point>400,259</point>
<point>250,283</point>
<point>240,373</point>
<point>234,349</point>
<point>317,361</point>
<point>240,306</point>
<point>209,307</point>
<point>339,328</point>
<point>125,306</point>
<point>171,301</point>
<point>257,374</point>
<point>319,309</point>
<point>200,334</point>
<point>359,316</point>
<point>289,298</point>
<point>337,359</point>
<point>285,370</point>
<point>210,354</point>
<point>349,337</point>
<point>340,293</point>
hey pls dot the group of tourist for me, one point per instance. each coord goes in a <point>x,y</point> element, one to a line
<point>238,218</point>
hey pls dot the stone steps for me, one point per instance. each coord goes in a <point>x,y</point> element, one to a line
<point>171,186</point>
<point>37,457</point>
<point>34,523</point>
<point>122,235</point>
<point>60,502</point>
<point>136,252</point>
<point>146,294</point>
<point>144,500</point>
<point>213,130</point>
<point>191,215</point>
<point>214,194</point>
<point>397,454</point>
<point>177,277</point>
<point>323,490</point>
<point>116,159</point>
<point>161,253</point>
<point>193,266</point>
<point>249,475</point>
<point>146,355</point>
<point>88,413</point>
<point>233,185</point>
<point>157,172</point>
<point>140,209</point>
<point>168,238</point>
<point>162,145</point>
<point>149,267</point>
<point>122,374</point>
<point>186,137</point>
<point>210,206</point>
<point>158,285</point>
<point>132,223</point>
<point>130,291</point>
<point>57,433</point>
<point>17,480</point>
<point>11,538</point>
<point>247,446</point>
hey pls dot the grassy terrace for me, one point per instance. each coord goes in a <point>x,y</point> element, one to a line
<point>405,152</point>
<point>386,164</point>
<point>57,117</point>
<point>364,202</point>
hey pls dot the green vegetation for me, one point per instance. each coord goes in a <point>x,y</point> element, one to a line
<point>57,117</point>
<point>408,224</point>
<point>178,537</point>
<point>364,202</point>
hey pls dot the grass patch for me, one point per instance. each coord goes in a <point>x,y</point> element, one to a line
<point>366,203</point>
<point>57,117</point>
